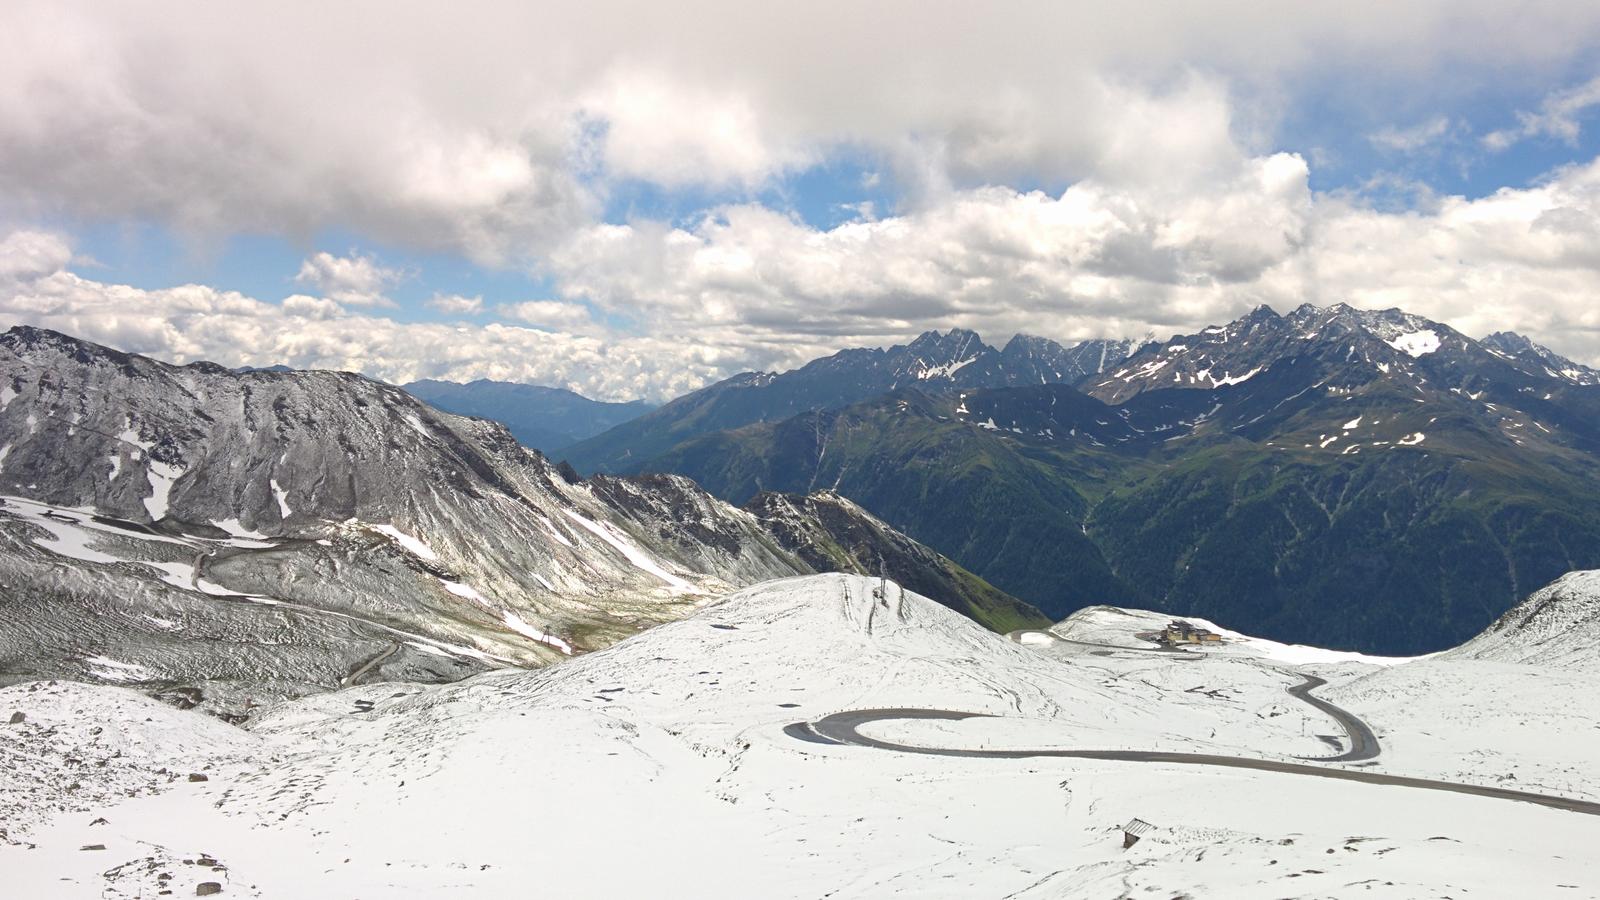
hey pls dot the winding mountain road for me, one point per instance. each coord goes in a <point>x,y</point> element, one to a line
<point>844,728</point>
<point>361,670</point>
<point>1363,743</point>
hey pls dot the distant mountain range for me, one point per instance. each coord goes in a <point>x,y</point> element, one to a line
<point>545,418</point>
<point>1351,345</point>
<point>1368,479</point>
<point>953,360</point>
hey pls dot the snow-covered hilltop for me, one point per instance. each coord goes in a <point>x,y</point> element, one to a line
<point>1558,626</point>
<point>689,750</point>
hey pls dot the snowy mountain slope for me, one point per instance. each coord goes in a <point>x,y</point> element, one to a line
<point>466,521</point>
<point>1528,727</point>
<point>666,766</point>
<point>312,454</point>
<point>1539,357</point>
<point>1516,701</point>
<point>99,600</point>
<point>232,538</point>
<point>1557,626</point>
<point>1463,713</point>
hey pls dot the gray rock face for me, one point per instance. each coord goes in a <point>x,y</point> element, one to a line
<point>1036,360</point>
<point>196,528</point>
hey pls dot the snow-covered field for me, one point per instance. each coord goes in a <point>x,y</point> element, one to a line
<point>661,767</point>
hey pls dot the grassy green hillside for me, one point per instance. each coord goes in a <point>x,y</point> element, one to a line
<point>1012,513</point>
<point>1399,553</point>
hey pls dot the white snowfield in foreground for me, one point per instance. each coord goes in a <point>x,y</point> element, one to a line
<point>661,768</point>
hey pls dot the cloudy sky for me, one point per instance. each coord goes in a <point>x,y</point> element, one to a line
<point>634,199</point>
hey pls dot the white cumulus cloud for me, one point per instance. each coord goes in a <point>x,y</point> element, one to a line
<point>497,129</point>
<point>1557,117</point>
<point>455,304</point>
<point>547,315</point>
<point>353,280</point>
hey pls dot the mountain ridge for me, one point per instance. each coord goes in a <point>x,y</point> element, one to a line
<point>321,526</point>
<point>545,418</point>
<point>1272,468</point>
<point>934,361</point>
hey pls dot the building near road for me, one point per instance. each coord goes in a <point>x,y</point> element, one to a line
<point>1179,631</point>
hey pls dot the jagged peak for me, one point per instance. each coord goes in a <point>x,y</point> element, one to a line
<point>954,340</point>
<point>1022,343</point>
<point>1510,342</point>
<point>1382,323</point>
<point>1310,312</point>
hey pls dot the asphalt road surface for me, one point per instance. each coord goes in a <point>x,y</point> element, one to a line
<point>1363,743</point>
<point>845,728</point>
